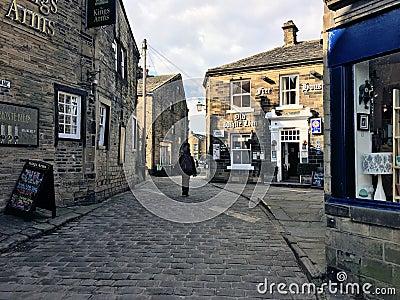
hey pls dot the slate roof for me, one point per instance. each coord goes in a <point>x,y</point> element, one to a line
<point>154,82</point>
<point>290,55</point>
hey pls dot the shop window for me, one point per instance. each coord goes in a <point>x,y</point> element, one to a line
<point>240,150</point>
<point>120,59</point>
<point>377,131</point>
<point>289,87</point>
<point>165,154</point>
<point>104,121</point>
<point>240,93</point>
<point>69,115</point>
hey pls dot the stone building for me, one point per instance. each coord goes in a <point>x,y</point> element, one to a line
<point>265,112</point>
<point>362,161</point>
<point>197,146</point>
<point>73,90</point>
<point>166,121</point>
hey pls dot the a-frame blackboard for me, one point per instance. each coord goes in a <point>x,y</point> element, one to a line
<point>34,188</point>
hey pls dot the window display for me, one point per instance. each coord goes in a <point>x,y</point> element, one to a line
<point>377,128</point>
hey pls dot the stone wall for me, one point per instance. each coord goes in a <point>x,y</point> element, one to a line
<point>365,243</point>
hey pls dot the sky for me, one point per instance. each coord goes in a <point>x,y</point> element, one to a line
<point>192,36</point>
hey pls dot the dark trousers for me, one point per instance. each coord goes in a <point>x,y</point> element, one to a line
<point>185,184</point>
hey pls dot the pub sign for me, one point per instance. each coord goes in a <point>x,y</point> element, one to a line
<point>18,125</point>
<point>100,13</point>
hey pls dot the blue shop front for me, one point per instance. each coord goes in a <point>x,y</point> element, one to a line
<point>362,199</point>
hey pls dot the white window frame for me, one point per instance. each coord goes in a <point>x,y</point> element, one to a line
<point>240,166</point>
<point>240,94</point>
<point>102,124</point>
<point>123,60</point>
<point>283,91</point>
<point>115,49</point>
<point>71,112</point>
<point>168,146</point>
<point>134,133</point>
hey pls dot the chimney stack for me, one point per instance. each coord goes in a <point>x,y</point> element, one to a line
<point>290,33</point>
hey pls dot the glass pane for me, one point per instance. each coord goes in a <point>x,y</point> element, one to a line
<point>236,159</point>
<point>68,99</point>
<point>285,83</point>
<point>237,101</point>
<point>236,87</point>
<point>67,129</point>
<point>61,108</point>
<point>246,101</point>
<point>60,128</point>
<point>61,98</point>
<point>245,157</point>
<point>61,119</point>
<point>74,129</point>
<point>292,97</point>
<point>246,86</point>
<point>293,81</point>
<point>67,119</point>
<point>74,120</point>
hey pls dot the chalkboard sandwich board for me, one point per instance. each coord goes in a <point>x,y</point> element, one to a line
<point>34,188</point>
<point>317,179</point>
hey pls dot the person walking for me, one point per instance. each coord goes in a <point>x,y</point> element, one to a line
<point>188,168</point>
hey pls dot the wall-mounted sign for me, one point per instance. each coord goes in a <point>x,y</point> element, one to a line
<point>19,125</point>
<point>240,121</point>
<point>218,133</point>
<point>5,84</point>
<point>216,151</point>
<point>306,87</point>
<point>36,20</point>
<point>316,126</point>
<point>100,13</point>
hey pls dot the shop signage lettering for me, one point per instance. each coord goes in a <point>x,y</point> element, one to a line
<point>306,87</point>
<point>264,91</point>
<point>240,121</point>
<point>36,20</point>
<point>100,13</point>
<point>5,84</point>
<point>18,125</point>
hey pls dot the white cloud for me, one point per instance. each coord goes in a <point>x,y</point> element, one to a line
<point>198,35</point>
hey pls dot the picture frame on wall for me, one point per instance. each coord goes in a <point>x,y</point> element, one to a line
<point>363,122</point>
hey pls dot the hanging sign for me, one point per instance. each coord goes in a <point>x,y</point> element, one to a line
<point>100,13</point>
<point>34,188</point>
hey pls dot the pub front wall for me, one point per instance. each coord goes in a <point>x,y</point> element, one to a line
<point>38,63</point>
<point>265,97</point>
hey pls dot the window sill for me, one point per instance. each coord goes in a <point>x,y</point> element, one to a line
<point>241,167</point>
<point>381,213</point>
<point>240,110</point>
<point>291,106</point>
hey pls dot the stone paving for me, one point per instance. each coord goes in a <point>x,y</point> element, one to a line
<point>122,251</point>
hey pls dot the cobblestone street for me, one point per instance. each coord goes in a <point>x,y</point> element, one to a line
<point>122,251</point>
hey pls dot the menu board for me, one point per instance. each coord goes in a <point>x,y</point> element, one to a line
<point>18,125</point>
<point>34,188</point>
<point>317,179</point>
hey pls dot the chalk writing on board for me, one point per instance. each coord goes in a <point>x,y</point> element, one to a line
<point>317,179</point>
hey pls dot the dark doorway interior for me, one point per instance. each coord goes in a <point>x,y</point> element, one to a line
<point>293,158</point>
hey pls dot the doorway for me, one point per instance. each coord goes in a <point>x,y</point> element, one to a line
<point>293,158</point>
